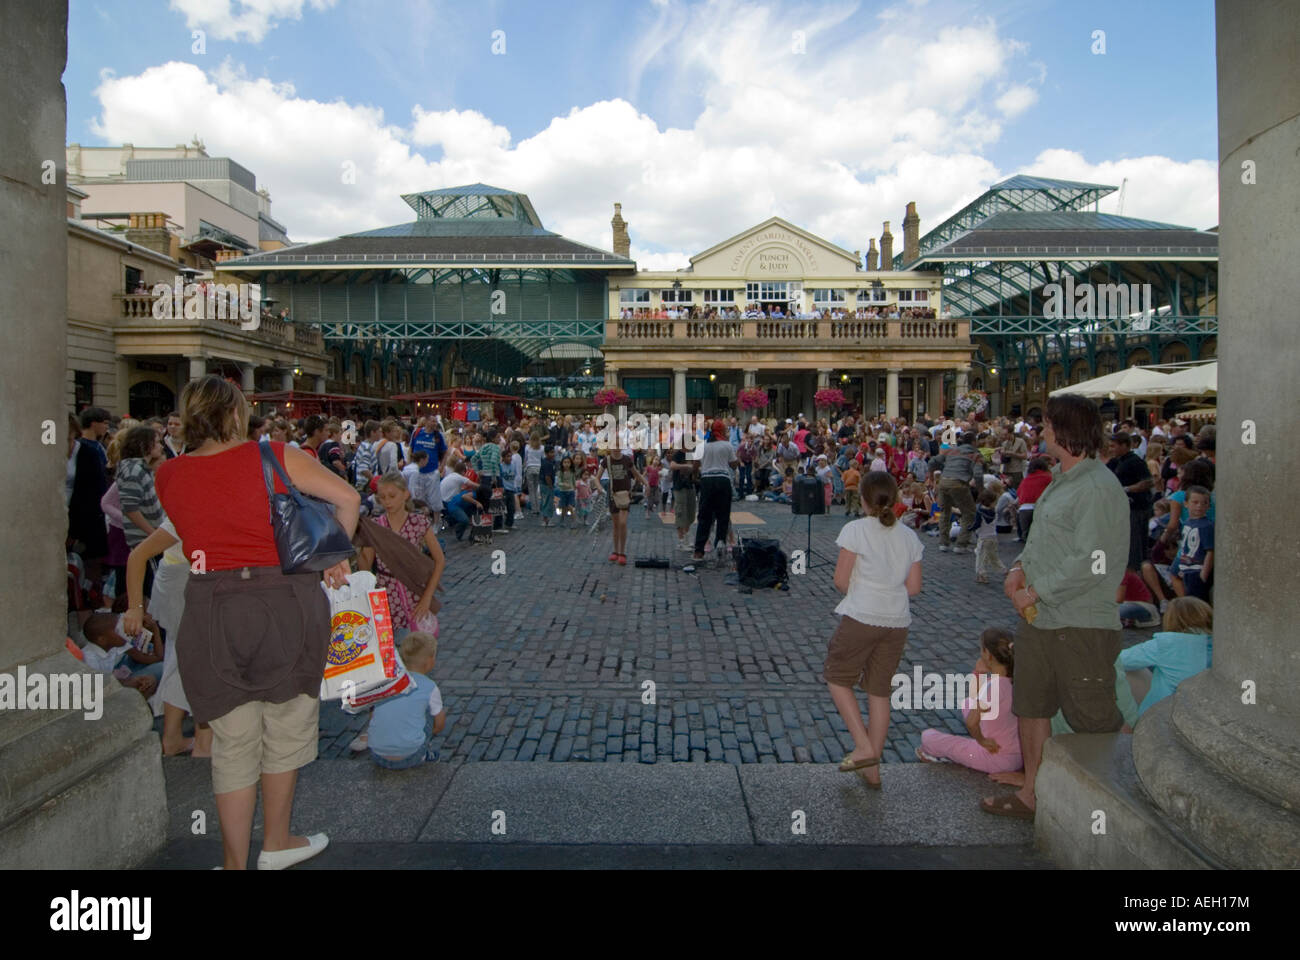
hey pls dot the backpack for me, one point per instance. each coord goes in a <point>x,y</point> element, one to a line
<point>760,563</point>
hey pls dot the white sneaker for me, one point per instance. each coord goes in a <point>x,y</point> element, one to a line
<point>284,859</point>
<point>360,743</point>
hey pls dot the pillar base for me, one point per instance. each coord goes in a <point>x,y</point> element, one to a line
<point>1086,774</point>
<point>1223,773</point>
<point>60,772</point>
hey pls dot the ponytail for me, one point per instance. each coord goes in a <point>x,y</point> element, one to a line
<point>879,493</point>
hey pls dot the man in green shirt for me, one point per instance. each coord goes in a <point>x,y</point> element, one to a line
<point>1064,586</point>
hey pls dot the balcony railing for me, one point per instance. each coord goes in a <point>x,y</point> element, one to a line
<point>139,306</point>
<point>759,333</point>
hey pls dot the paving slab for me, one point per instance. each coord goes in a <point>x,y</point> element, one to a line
<point>918,804</point>
<point>599,803</point>
<point>350,801</point>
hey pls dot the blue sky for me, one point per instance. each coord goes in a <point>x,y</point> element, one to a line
<point>697,116</point>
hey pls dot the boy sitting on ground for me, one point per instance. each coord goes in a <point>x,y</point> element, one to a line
<point>107,651</point>
<point>402,728</point>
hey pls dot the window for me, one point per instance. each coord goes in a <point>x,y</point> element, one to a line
<point>647,388</point>
<point>676,296</point>
<point>85,388</point>
<point>772,292</point>
<point>133,277</point>
<point>330,369</point>
<point>871,295</point>
<point>719,296</point>
<point>913,296</point>
<point>830,296</point>
<point>634,296</point>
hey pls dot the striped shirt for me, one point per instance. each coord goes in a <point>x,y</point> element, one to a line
<point>136,490</point>
<point>364,462</point>
<point>487,461</point>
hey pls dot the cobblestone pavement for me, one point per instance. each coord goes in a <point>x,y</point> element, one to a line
<point>548,660</point>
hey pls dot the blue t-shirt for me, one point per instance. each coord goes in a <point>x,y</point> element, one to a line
<point>1172,657</point>
<point>397,724</point>
<point>1196,539</point>
<point>431,443</point>
<point>547,474</point>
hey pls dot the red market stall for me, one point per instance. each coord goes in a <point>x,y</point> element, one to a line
<point>465,404</point>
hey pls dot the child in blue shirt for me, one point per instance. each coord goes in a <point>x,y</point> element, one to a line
<point>402,728</point>
<point>1189,574</point>
<point>1183,649</point>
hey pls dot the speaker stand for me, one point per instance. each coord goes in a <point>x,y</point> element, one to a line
<point>812,558</point>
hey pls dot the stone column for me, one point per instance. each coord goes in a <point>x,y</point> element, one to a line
<point>1221,757</point>
<point>891,392</point>
<point>823,379</point>
<point>286,379</point>
<point>247,374</point>
<point>963,380</point>
<point>198,368</point>
<point>679,391</point>
<point>751,378</point>
<point>100,763</point>
<point>318,384</point>
<point>934,405</point>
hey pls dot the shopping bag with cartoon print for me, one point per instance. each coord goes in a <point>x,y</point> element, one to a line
<point>361,637</point>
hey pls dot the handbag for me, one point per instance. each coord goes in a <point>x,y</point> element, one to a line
<point>622,499</point>
<point>307,537</point>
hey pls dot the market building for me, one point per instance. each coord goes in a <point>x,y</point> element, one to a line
<point>778,308</point>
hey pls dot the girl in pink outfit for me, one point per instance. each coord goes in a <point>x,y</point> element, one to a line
<point>994,743</point>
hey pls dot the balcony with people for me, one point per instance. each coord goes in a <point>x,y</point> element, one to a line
<point>210,307</point>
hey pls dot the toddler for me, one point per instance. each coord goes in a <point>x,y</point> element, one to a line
<point>583,491</point>
<point>652,485</point>
<point>994,742</point>
<point>1006,510</point>
<point>852,493</point>
<point>986,540</point>
<point>402,728</point>
<point>665,484</point>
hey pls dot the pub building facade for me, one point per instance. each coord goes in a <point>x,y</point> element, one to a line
<point>781,309</point>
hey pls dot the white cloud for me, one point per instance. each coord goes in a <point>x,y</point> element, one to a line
<point>1171,191</point>
<point>836,140</point>
<point>1017,100</point>
<point>249,19</point>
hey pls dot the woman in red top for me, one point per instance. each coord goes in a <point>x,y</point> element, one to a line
<point>252,642</point>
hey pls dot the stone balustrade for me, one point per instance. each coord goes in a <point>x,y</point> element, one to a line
<point>139,306</point>
<point>946,332</point>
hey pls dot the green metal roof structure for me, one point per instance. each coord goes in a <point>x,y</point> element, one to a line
<point>1015,193</point>
<point>999,253</point>
<point>475,269</point>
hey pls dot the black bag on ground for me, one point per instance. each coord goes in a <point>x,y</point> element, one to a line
<point>760,563</point>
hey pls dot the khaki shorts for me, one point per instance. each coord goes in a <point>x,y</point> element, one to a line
<point>865,656</point>
<point>684,507</point>
<point>1071,669</point>
<point>259,737</point>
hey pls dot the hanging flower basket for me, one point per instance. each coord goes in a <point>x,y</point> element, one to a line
<point>831,397</point>
<point>752,398</point>
<point>609,397</point>
<point>972,403</point>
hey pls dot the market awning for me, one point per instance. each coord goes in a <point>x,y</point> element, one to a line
<point>1196,381</point>
<point>1122,385</point>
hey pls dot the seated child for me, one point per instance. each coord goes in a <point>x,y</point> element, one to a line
<point>1006,511</point>
<point>986,540</point>
<point>1189,574</point>
<point>994,742</point>
<point>402,728</point>
<point>1136,607</point>
<point>107,651</point>
<point>1183,649</point>
<point>1156,527</point>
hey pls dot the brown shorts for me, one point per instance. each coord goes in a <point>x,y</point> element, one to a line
<point>1071,669</point>
<point>865,656</point>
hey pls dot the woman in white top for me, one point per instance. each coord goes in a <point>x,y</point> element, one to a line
<point>878,571</point>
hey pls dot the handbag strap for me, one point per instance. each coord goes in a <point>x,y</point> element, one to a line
<point>269,463</point>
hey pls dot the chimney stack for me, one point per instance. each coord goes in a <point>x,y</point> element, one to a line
<point>886,249</point>
<point>873,255</point>
<point>149,230</point>
<point>622,242</point>
<point>911,235</point>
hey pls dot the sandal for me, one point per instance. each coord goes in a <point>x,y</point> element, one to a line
<point>622,559</point>
<point>1008,806</point>
<point>928,758</point>
<point>863,777</point>
<point>848,765</point>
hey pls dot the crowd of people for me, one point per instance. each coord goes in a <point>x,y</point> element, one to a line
<point>142,495</point>
<point>775,311</point>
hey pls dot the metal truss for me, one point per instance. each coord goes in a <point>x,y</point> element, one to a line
<point>509,330</point>
<point>1045,326</point>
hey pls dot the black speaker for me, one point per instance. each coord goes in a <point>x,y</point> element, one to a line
<point>809,496</point>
